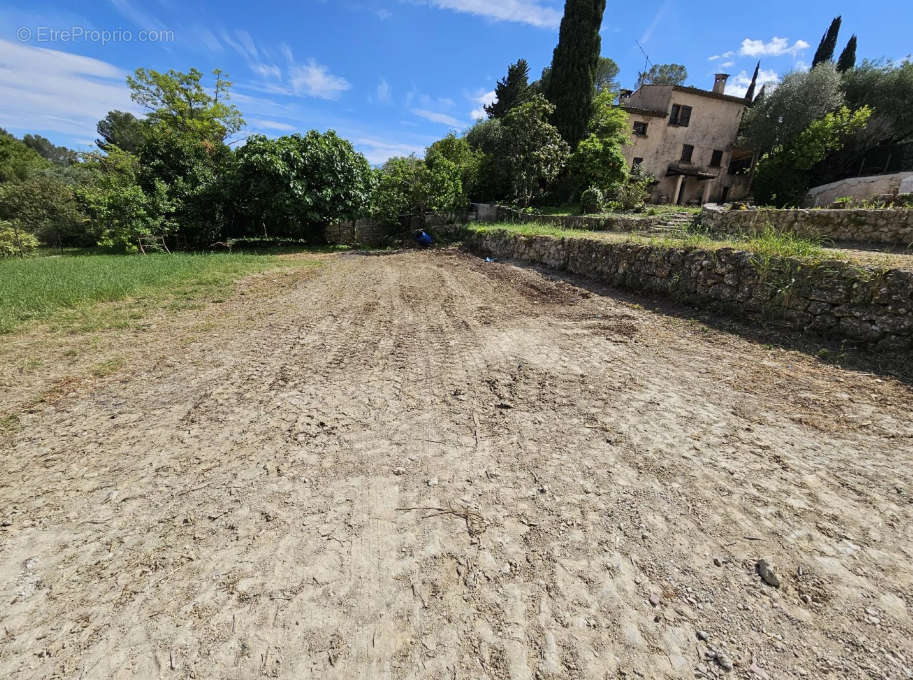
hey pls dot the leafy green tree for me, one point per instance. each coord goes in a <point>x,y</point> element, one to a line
<point>17,160</point>
<point>572,83</point>
<point>180,102</point>
<point>828,44</point>
<point>458,151</point>
<point>847,60</point>
<point>663,74</point>
<point>409,187</point>
<point>486,138</point>
<point>121,212</point>
<point>296,185</point>
<point>59,155</point>
<point>510,90</point>
<point>802,97</point>
<point>606,75</point>
<point>120,129</point>
<point>44,205</point>
<point>888,89</point>
<point>532,150</point>
<point>14,242</point>
<point>782,176</point>
<point>599,161</point>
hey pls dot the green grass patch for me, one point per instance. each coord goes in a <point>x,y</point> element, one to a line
<point>67,286</point>
<point>770,243</point>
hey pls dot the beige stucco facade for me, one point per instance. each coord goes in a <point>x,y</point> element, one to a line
<point>711,127</point>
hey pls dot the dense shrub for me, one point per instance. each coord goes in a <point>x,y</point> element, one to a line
<point>592,201</point>
<point>295,185</point>
<point>15,242</point>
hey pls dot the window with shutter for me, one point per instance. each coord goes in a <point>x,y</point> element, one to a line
<point>684,118</point>
<point>676,112</point>
<point>717,159</point>
<point>687,153</point>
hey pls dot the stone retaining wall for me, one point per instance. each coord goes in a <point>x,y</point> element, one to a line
<point>606,223</point>
<point>833,299</point>
<point>893,227</point>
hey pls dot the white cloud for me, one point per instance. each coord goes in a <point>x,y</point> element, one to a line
<point>657,18</point>
<point>383,14</point>
<point>315,80</point>
<point>724,55</point>
<point>384,93</point>
<point>379,151</point>
<point>266,70</point>
<point>728,64</point>
<point>44,90</point>
<point>261,124</point>
<point>482,99</point>
<point>776,47</point>
<point>521,11</point>
<point>442,118</point>
<point>137,16</point>
<point>738,86</point>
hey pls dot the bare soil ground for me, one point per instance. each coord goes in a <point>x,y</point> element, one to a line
<point>419,465</point>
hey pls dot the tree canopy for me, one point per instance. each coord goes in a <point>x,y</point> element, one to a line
<point>120,129</point>
<point>510,90</point>
<point>847,59</point>
<point>828,44</point>
<point>663,74</point>
<point>783,114</point>
<point>572,83</point>
<point>180,101</point>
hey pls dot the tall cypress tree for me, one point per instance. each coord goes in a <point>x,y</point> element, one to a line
<point>749,96</point>
<point>511,90</point>
<point>828,43</point>
<point>847,61</point>
<point>574,63</point>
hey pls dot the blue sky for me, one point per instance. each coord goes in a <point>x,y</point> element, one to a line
<point>390,75</point>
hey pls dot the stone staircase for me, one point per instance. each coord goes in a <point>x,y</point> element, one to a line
<point>674,222</point>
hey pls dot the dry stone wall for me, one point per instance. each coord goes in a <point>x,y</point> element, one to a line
<point>833,299</point>
<point>606,223</point>
<point>894,227</point>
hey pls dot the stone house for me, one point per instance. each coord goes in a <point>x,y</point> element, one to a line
<point>686,138</point>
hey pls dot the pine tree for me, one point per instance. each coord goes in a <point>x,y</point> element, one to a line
<point>574,64</point>
<point>511,90</point>
<point>847,61</point>
<point>749,96</point>
<point>828,43</point>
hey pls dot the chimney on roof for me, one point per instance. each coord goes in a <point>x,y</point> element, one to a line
<point>719,83</point>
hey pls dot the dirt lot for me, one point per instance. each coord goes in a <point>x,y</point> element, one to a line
<point>425,466</point>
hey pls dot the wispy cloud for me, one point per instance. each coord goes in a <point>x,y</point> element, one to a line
<point>441,118</point>
<point>657,18</point>
<point>378,151</point>
<point>529,12</point>
<point>775,47</point>
<point>384,93</point>
<point>139,17</point>
<point>43,90</point>
<point>261,124</point>
<point>724,55</point>
<point>315,80</point>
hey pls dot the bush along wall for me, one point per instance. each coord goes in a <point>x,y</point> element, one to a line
<point>834,299</point>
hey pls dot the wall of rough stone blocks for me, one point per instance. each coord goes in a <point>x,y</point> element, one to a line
<point>893,227</point>
<point>606,223</point>
<point>834,299</point>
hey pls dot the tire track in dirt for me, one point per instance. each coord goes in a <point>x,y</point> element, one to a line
<point>250,510</point>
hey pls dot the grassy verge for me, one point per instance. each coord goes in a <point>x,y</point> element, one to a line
<point>648,211</point>
<point>768,243</point>
<point>67,287</point>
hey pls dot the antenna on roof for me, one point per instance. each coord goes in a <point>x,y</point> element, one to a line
<point>647,61</point>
